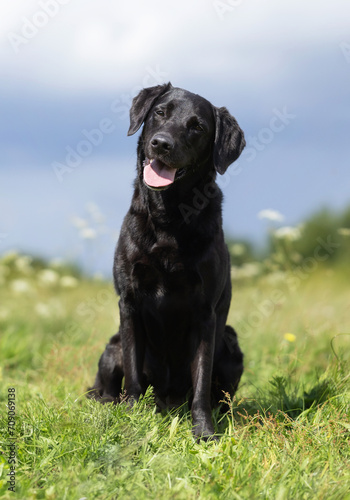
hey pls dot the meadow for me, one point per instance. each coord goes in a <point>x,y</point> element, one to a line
<point>284,436</point>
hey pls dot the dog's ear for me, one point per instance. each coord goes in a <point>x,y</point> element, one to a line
<point>229,140</point>
<point>142,103</point>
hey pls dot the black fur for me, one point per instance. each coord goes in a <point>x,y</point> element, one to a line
<point>172,267</point>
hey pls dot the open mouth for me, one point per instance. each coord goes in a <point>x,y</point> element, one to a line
<point>157,175</point>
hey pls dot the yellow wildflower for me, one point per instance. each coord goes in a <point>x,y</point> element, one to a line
<point>290,337</point>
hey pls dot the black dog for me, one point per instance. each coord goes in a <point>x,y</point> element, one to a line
<point>172,266</point>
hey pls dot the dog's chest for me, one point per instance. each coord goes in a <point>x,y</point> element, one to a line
<point>163,272</point>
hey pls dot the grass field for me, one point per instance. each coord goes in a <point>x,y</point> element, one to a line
<point>285,435</point>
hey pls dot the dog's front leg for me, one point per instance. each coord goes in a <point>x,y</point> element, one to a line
<point>133,346</point>
<point>201,371</point>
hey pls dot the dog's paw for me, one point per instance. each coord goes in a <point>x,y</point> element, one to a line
<point>204,431</point>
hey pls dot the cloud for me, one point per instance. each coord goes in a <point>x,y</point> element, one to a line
<point>105,45</point>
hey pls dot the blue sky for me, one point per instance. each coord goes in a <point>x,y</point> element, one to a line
<point>69,69</point>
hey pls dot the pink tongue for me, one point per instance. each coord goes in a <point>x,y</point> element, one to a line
<point>156,174</point>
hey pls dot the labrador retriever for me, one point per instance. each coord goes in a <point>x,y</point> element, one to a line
<point>172,266</point>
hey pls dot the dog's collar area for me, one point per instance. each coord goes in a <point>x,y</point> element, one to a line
<point>158,176</point>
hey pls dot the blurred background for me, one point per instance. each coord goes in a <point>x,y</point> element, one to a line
<point>69,71</point>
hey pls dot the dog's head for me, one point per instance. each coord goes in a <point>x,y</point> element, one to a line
<point>182,133</point>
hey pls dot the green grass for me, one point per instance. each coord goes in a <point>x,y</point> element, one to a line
<point>284,436</point>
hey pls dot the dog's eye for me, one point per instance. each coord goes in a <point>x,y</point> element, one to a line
<point>159,112</point>
<point>198,127</point>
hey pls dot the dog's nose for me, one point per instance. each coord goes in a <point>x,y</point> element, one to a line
<point>161,144</point>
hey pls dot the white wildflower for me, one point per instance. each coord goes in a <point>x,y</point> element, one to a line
<point>88,233</point>
<point>288,233</point>
<point>68,282</point>
<point>270,214</point>
<point>79,222</point>
<point>48,277</point>
<point>20,286</point>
